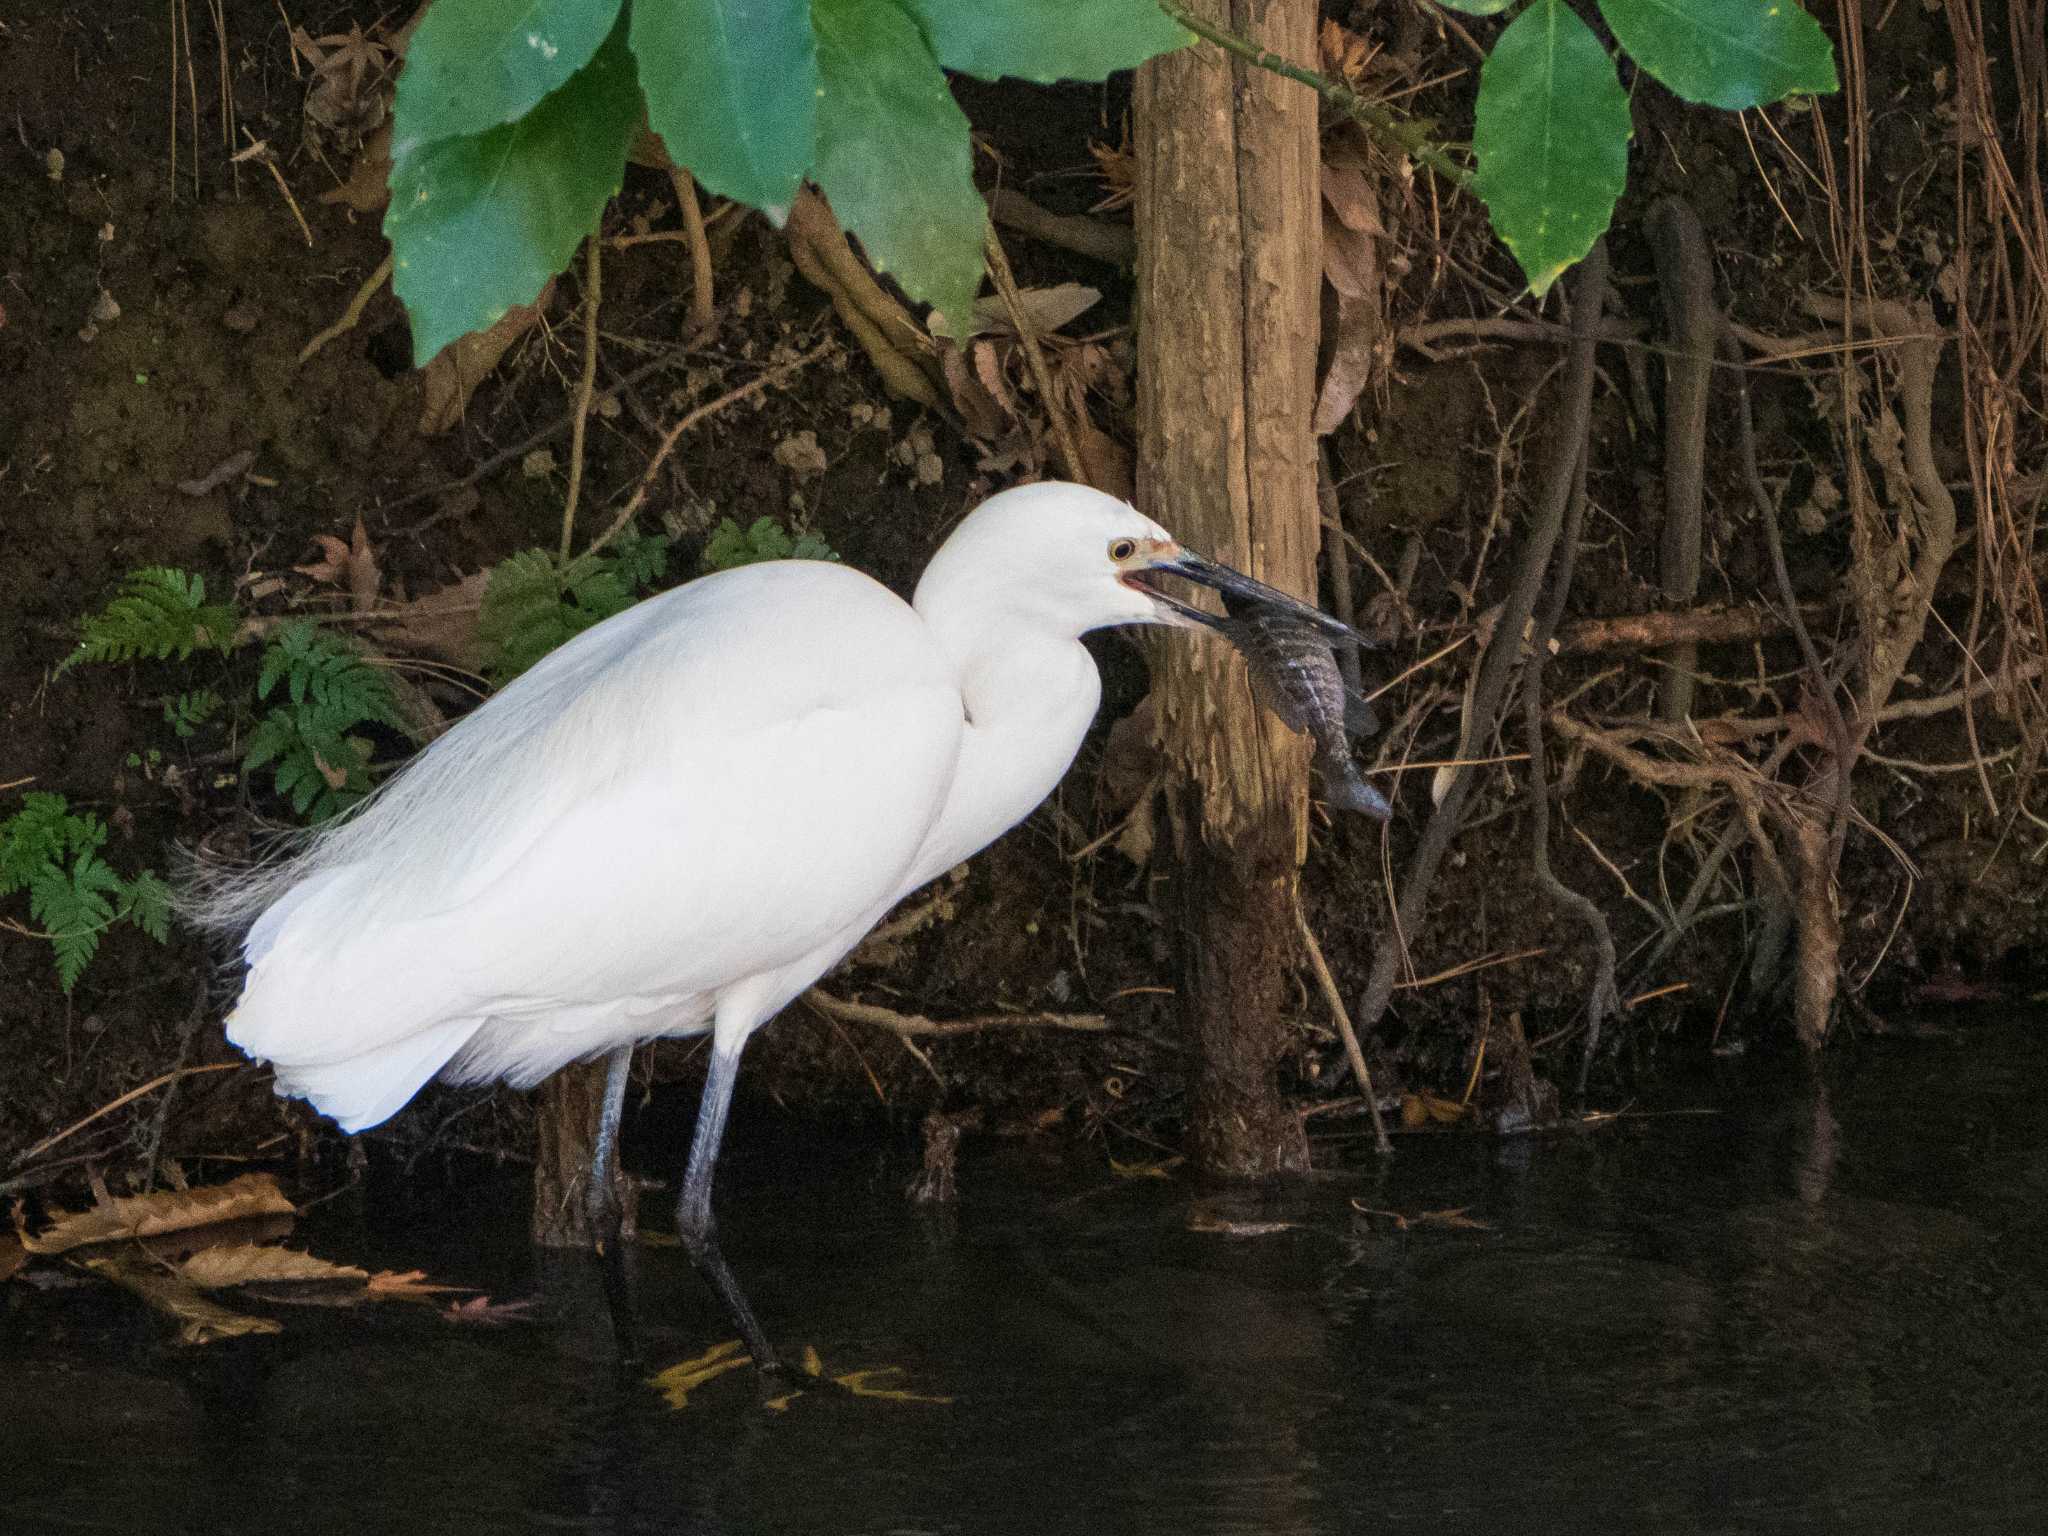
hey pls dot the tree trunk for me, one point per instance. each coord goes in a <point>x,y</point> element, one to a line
<point>1228,265</point>
<point>568,1106</point>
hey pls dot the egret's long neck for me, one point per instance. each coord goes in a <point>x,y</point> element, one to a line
<point>1030,694</point>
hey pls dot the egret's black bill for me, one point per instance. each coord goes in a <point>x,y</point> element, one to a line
<point>1221,578</point>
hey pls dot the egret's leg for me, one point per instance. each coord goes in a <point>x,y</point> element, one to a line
<point>607,1217</point>
<point>693,1211</point>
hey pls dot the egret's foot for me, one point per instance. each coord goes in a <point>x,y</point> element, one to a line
<point>781,1384</point>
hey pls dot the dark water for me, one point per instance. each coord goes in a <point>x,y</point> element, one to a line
<point>1821,1308</point>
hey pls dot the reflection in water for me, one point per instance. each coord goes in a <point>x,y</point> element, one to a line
<point>1820,1309</point>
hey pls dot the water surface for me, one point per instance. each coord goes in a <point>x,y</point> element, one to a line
<point>1821,1307</point>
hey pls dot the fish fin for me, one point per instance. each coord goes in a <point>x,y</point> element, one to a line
<point>1360,718</point>
<point>1276,699</point>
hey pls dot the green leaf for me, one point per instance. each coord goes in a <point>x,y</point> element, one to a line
<point>1478,7</point>
<point>1726,53</point>
<point>480,223</point>
<point>1551,130</point>
<point>732,88</point>
<point>1046,40</point>
<point>893,153</point>
<point>474,65</point>
<point>147,904</point>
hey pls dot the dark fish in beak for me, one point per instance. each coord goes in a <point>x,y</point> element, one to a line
<point>1289,649</point>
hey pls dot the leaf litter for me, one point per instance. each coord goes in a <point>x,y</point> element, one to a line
<point>173,1247</point>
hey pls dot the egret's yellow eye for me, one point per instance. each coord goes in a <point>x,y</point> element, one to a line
<point>1121,550</point>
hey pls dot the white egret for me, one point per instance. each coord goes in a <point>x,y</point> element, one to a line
<point>685,816</point>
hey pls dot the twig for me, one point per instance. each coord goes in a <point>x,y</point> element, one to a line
<point>1034,353</point>
<point>127,1098</point>
<point>351,315</point>
<point>1399,134</point>
<point>533,440</point>
<point>675,433</point>
<point>701,305</point>
<point>187,1034</point>
<point>1335,999</point>
<point>916,1024</point>
<point>593,269</point>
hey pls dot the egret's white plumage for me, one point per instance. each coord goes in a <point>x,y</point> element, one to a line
<point>686,815</point>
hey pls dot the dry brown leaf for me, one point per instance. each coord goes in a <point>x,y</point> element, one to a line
<point>1422,1109</point>
<point>368,187</point>
<point>202,1321</point>
<point>977,407</point>
<point>483,1310</point>
<point>411,1285</point>
<point>1105,462</point>
<point>352,564</point>
<point>167,1210</point>
<point>454,372</point>
<point>213,1269</point>
<point>441,623</point>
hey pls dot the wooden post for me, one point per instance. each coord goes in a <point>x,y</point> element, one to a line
<point>1229,259</point>
<point>567,1107</point>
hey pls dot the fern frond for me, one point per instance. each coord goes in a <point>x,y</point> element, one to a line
<point>640,559</point>
<point>765,539</point>
<point>531,605</point>
<point>44,832</point>
<point>161,612</point>
<point>188,711</point>
<point>73,906</point>
<point>147,904</point>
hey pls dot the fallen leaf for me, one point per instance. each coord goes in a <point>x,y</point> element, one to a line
<point>352,564</point>
<point>481,1309</point>
<point>167,1210</point>
<point>233,467</point>
<point>441,623</point>
<point>868,1383</point>
<point>679,1381</point>
<point>1158,1170</point>
<point>1452,1220</point>
<point>202,1321</point>
<point>411,1285</point>
<point>214,1269</point>
<point>1421,1109</point>
<point>1201,1220</point>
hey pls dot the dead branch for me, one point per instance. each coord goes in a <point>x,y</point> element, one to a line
<point>1112,244</point>
<point>910,1025</point>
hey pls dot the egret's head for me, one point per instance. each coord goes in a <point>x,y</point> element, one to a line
<point>1074,559</point>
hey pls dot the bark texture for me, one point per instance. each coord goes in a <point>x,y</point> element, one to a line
<point>569,1105</point>
<point>1229,260</point>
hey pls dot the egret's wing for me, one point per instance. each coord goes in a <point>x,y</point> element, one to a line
<point>714,796</point>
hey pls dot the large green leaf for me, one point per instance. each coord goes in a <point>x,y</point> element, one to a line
<point>732,88</point>
<point>893,154</point>
<point>1726,53</point>
<point>1551,131</point>
<point>476,64</point>
<point>480,223</point>
<point>1046,39</point>
<point>1478,7</point>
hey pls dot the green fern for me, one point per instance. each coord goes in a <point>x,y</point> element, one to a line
<point>331,691</point>
<point>160,613</point>
<point>73,894</point>
<point>639,560</point>
<point>531,605</point>
<point>188,711</point>
<point>766,539</point>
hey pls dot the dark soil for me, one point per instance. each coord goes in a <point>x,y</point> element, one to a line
<point>218,290</point>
